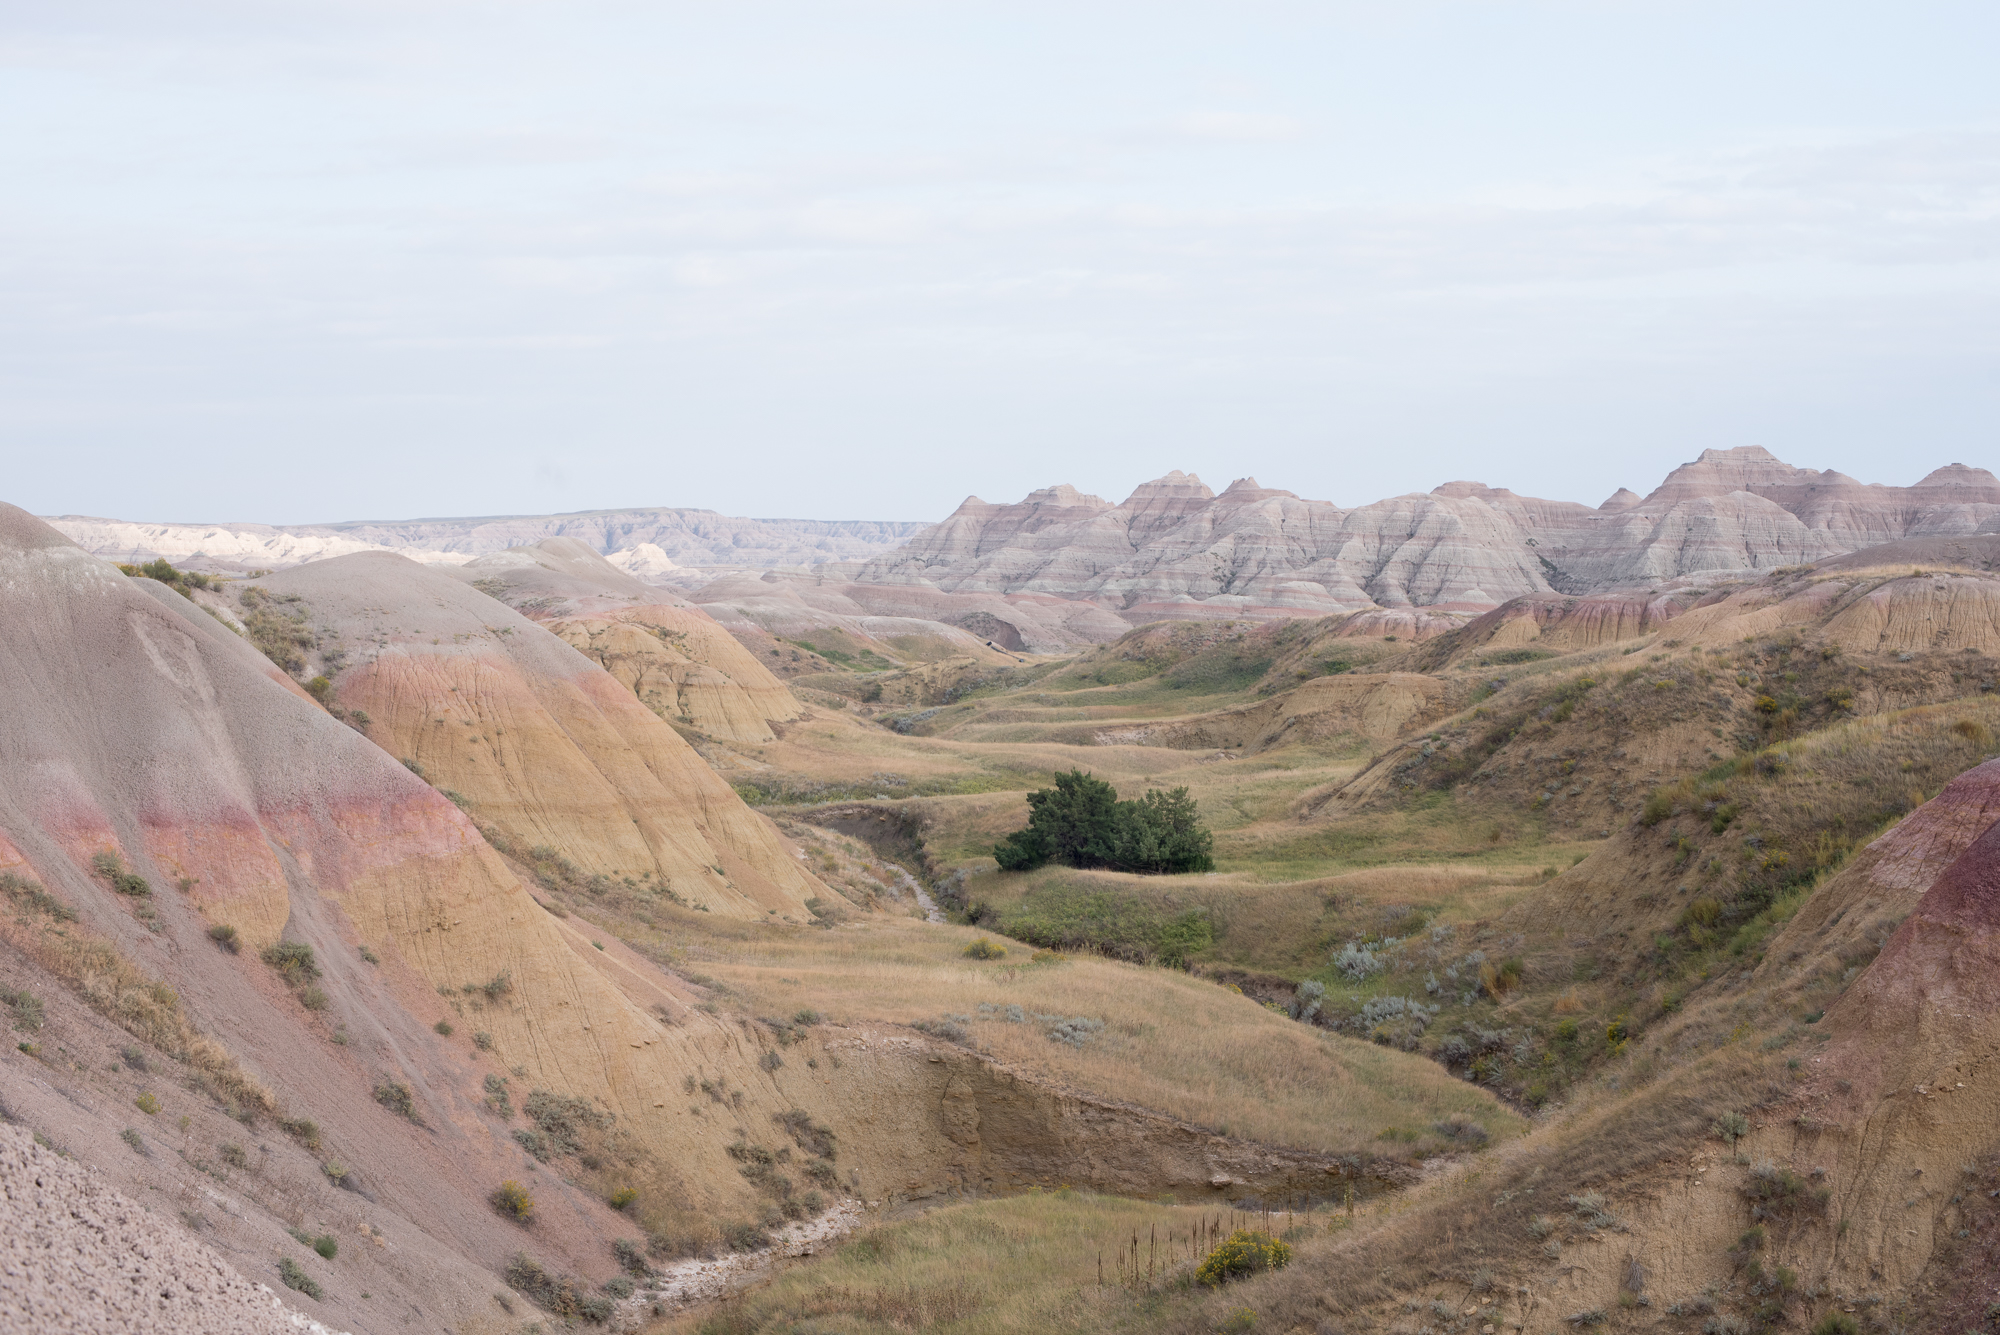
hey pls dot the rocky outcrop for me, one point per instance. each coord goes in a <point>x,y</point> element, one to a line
<point>668,652</point>
<point>1175,549</point>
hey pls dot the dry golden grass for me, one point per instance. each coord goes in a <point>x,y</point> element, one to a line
<point>47,933</point>
<point>1028,1263</point>
<point>1171,1042</point>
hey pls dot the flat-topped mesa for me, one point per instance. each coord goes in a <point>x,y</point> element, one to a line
<point>1062,494</point>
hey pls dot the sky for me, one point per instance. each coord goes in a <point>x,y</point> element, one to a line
<point>293,261</point>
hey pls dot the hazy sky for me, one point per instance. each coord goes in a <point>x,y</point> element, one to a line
<point>297,261</point>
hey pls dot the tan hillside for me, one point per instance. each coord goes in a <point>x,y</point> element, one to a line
<point>545,747</point>
<point>669,653</point>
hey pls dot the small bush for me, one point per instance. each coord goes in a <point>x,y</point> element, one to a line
<point>951,1028</point>
<point>618,1286</point>
<point>621,1198</point>
<point>982,949</point>
<point>225,936</point>
<point>563,1295</point>
<point>1076,1031</point>
<point>1731,1127</point>
<point>443,1028</point>
<point>312,998</point>
<point>1837,1323</point>
<point>1244,1252</point>
<point>513,1201</point>
<point>770,1061</point>
<point>336,1172</point>
<point>326,1245</point>
<point>302,1129</point>
<point>27,1008</point>
<point>1776,1192</point>
<point>369,955</point>
<point>745,1237</point>
<point>482,1040</point>
<point>807,1017</point>
<point>496,1095</point>
<point>147,1104</point>
<point>396,1097</point>
<point>1462,1130</point>
<point>293,959</point>
<point>498,986</point>
<point>233,1155</point>
<point>112,869</point>
<point>295,1278</point>
<point>630,1257</point>
<point>130,1135</point>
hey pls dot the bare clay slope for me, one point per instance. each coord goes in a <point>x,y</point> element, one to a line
<point>140,728</point>
<point>545,746</point>
<point>670,653</point>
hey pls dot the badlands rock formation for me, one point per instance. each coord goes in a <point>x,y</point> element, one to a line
<point>650,543</point>
<point>668,652</point>
<point>142,728</point>
<point>1174,548</point>
<point>546,747</point>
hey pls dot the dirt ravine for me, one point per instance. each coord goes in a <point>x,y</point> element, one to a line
<point>686,1283</point>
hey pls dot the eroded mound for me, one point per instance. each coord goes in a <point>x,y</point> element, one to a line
<point>668,652</point>
<point>545,748</point>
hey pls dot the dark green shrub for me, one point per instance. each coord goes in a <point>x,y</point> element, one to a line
<point>1081,823</point>
<point>293,959</point>
<point>326,1245</point>
<point>443,1028</point>
<point>225,936</point>
<point>296,1278</point>
<point>112,869</point>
